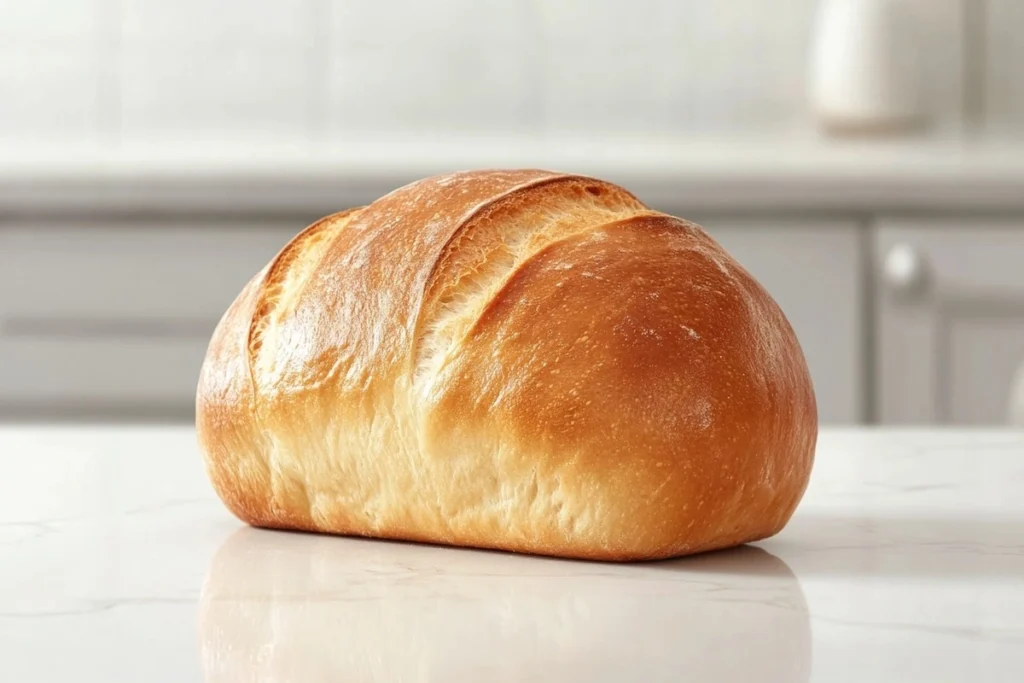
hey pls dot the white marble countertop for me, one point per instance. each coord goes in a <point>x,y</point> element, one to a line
<point>904,563</point>
<point>798,174</point>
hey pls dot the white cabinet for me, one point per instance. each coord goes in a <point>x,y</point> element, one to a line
<point>815,270</point>
<point>950,311</point>
<point>907,321</point>
<point>114,317</point>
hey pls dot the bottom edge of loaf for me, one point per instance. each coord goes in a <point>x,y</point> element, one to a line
<point>569,552</point>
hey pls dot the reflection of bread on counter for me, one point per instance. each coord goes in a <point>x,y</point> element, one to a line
<point>284,607</point>
<point>510,359</point>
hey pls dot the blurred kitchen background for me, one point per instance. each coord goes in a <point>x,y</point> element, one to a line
<point>863,158</point>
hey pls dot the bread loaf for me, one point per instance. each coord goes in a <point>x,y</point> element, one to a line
<point>520,360</point>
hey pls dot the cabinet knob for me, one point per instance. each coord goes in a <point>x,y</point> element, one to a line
<point>905,270</point>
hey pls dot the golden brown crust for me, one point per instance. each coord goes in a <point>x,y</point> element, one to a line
<point>275,278</point>
<point>510,359</point>
<point>225,405</point>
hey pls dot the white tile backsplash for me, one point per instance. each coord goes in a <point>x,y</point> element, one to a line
<point>48,21</point>
<point>128,70</point>
<point>668,67</point>
<point>407,26</point>
<point>610,23</point>
<point>220,93</point>
<point>184,23</point>
<point>613,87</point>
<point>749,65</point>
<point>446,66</point>
<point>48,91</point>
<point>449,89</point>
<point>940,31</point>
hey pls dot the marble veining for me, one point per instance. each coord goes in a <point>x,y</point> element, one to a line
<point>905,562</point>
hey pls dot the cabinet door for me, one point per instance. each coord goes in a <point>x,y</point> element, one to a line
<point>950,309</point>
<point>114,318</point>
<point>814,269</point>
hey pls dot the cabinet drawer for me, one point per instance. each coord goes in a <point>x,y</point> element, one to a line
<point>950,307</point>
<point>117,317</point>
<point>968,258</point>
<point>164,271</point>
<point>98,373</point>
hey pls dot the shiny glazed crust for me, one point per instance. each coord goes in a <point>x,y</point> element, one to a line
<point>519,360</point>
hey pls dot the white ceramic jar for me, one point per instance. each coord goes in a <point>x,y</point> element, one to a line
<point>864,67</point>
